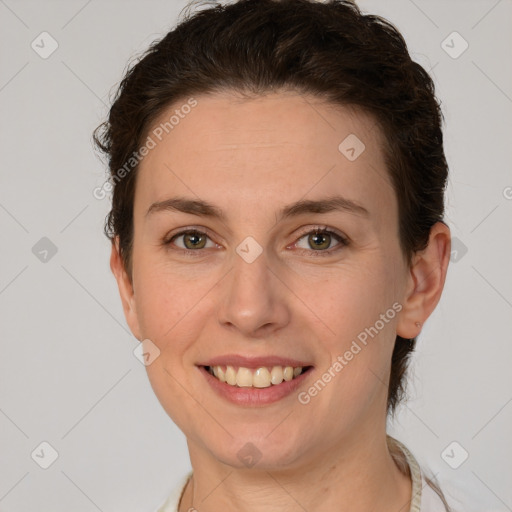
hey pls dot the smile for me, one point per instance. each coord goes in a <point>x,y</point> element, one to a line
<point>262,377</point>
<point>254,381</point>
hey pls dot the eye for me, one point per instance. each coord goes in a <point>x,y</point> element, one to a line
<point>192,240</point>
<point>320,241</point>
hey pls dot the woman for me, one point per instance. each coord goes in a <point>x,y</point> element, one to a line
<point>278,241</point>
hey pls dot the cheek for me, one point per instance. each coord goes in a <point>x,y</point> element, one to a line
<point>352,299</point>
<point>170,310</point>
<point>162,302</point>
<point>358,307</point>
<point>173,308</point>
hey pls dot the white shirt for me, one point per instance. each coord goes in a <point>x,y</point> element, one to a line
<point>424,498</point>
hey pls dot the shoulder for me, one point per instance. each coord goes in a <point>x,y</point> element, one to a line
<point>457,497</point>
<point>431,495</point>
<point>172,502</point>
<point>436,497</point>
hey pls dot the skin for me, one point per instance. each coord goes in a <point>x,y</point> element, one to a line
<point>251,158</point>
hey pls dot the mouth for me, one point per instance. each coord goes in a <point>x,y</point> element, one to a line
<point>262,377</point>
<point>253,382</point>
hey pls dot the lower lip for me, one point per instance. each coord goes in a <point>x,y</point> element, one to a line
<point>254,396</point>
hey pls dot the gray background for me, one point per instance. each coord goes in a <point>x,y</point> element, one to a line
<point>68,375</point>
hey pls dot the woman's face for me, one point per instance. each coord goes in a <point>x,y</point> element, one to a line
<point>256,288</point>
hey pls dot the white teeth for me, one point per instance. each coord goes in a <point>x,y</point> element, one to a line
<point>230,376</point>
<point>244,378</point>
<point>288,373</point>
<point>276,375</point>
<point>220,374</point>
<point>260,378</point>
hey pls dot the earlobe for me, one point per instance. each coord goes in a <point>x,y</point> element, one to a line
<point>427,276</point>
<point>125,287</point>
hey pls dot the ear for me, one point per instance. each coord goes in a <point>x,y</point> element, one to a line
<point>425,283</point>
<point>125,289</point>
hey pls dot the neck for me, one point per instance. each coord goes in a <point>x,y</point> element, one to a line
<point>359,476</point>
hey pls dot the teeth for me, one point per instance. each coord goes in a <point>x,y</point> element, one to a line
<point>260,378</point>
<point>231,376</point>
<point>288,373</point>
<point>276,375</point>
<point>244,378</point>
<point>219,373</point>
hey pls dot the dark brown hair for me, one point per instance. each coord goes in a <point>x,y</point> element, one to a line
<point>330,50</point>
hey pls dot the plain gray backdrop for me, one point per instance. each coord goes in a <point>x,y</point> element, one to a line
<point>68,374</point>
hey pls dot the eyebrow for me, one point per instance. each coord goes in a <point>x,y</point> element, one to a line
<point>204,209</point>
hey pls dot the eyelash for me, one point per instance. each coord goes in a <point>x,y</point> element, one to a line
<point>318,230</point>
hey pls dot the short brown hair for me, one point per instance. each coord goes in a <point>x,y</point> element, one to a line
<point>328,49</point>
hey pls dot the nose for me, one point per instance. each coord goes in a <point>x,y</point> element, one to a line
<point>254,300</point>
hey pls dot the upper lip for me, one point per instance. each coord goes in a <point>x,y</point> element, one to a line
<point>253,362</point>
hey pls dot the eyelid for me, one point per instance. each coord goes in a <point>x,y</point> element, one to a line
<point>187,229</point>
<point>343,239</point>
<point>323,228</point>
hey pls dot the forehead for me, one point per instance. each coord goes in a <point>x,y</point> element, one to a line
<point>266,150</point>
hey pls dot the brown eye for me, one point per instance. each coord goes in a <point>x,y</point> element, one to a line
<point>194,240</point>
<point>191,240</point>
<point>319,240</point>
